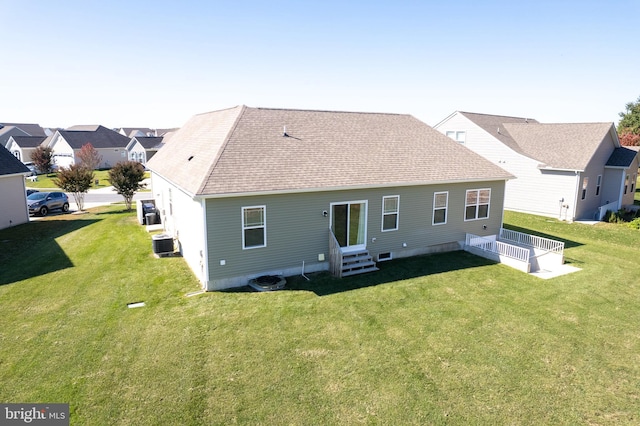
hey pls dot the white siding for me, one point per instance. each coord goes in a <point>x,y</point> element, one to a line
<point>182,218</point>
<point>533,191</point>
<point>137,153</point>
<point>13,208</point>
<point>63,155</point>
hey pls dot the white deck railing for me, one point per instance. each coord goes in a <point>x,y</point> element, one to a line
<point>521,238</point>
<point>499,247</point>
<point>602,210</point>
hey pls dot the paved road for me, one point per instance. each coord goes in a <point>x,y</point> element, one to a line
<point>104,196</point>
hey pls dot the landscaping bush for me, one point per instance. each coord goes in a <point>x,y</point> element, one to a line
<point>634,224</point>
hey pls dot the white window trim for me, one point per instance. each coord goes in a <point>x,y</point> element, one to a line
<point>397,213</point>
<point>627,179</point>
<point>263,226</point>
<point>459,136</point>
<point>446,209</point>
<point>585,187</point>
<point>477,205</point>
<point>598,184</point>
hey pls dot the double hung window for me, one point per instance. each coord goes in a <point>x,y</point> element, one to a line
<point>390,212</point>
<point>254,229</point>
<point>440,204</point>
<point>477,204</point>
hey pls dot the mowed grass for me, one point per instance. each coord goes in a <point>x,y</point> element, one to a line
<point>441,339</point>
<point>46,181</point>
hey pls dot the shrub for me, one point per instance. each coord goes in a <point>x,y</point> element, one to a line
<point>125,178</point>
<point>75,179</point>
<point>634,224</point>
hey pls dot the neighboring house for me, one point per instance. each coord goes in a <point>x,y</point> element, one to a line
<point>248,192</point>
<point>66,144</point>
<point>143,131</point>
<point>142,148</point>
<point>19,129</point>
<point>23,146</point>
<point>568,170</point>
<point>13,208</point>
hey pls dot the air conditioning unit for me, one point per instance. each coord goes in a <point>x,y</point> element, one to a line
<point>162,244</point>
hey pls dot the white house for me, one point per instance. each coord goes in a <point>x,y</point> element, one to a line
<point>13,207</point>
<point>23,146</point>
<point>566,170</point>
<point>142,148</point>
<point>66,144</point>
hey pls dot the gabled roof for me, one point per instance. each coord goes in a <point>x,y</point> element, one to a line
<point>622,157</point>
<point>28,141</point>
<point>149,142</point>
<point>29,128</point>
<point>494,125</point>
<point>564,146</point>
<point>131,131</point>
<point>10,165</point>
<point>84,127</point>
<point>246,150</point>
<point>99,138</point>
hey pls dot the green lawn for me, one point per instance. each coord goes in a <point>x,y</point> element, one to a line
<point>46,181</point>
<point>442,339</point>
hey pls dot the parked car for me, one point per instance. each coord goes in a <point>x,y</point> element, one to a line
<point>32,168</point>
<point>43,202</point>
<point>31,191</point>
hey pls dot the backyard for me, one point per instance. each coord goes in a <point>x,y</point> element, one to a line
<point>441,339</point>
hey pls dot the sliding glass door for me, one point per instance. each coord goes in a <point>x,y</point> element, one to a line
<point>349,223</point>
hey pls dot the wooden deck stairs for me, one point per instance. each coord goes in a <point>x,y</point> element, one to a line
<point>357,262</point>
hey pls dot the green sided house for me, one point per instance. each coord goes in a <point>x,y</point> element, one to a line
<point>247,192</point>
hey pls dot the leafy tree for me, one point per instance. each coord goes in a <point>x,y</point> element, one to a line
<point>629,139</point>
<point>42,158</point>
<point>630,119</point>
<point>89,156</point>
<point>125,178</point>
<point>75,179</point>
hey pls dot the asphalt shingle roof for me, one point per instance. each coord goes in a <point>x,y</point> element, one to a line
<point>150,142</point>
<point>622,157</point>
<point>99,138</point>
<point>29,141</point>
<point>494,125</point>
<point>9,164</point>
<point>29,128</point>
<point>253,150</point>
<point>568,146</point>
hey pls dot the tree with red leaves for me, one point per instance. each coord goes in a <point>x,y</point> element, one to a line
<point>89,156</point>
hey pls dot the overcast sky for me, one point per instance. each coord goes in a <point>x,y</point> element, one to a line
<point>157,63</point>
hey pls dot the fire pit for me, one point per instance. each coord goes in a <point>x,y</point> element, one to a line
<point>268,282</point>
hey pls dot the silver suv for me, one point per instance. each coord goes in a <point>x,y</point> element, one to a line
<point>43,202</point>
